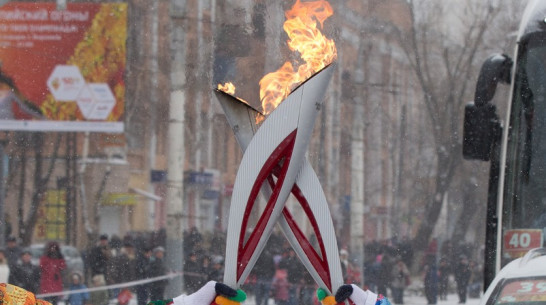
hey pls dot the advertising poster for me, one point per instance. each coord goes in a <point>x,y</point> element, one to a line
<point>62,70</point>
<point>51,220</point>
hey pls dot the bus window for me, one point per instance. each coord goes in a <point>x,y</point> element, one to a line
<point>525,196</point>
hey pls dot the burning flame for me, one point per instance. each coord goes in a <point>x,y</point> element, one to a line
<point>228,88</point>
<point>314,48</point>
<point>304,37</point>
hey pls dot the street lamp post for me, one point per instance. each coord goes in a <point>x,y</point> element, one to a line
<point>176,152</point>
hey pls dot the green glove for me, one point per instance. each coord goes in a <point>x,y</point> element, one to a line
<point>321,294</point>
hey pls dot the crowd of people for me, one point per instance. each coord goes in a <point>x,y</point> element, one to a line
<point>110,261</point>
<point>277,276</point>
<point>129,260</point>
<point>454,261</point>
<point>46,277</point>
<point>387,269</point>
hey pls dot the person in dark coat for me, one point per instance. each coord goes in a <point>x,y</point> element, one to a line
<point>383,273</point>
<point>431,279</point>
<point>12,254</point>
<point>192,276</point>
<point>143,271</point>
<point>25,274</point>
<point>125,264</point>
<point>52,264</point>
<point>476,280</point>
<point>264,270</point>
<point>157,268</point>
<point>12,251</point>
<point>206,266</point>
<point>462,276</point>
<point>295,271</point>
<point>122,267</point>
<point>216,273</point>
<point>308,289</point>
<point>193,242</point>
<point>400,276</point>
<point>443,278</point>
<point>372,269</point>
<point>99,257</point>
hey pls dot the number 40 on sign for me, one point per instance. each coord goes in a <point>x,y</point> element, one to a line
<point>518,242</point>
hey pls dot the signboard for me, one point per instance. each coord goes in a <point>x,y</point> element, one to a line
<point>158,176</point>
<point>524,291</point>
<point>63,68</point>
<point>51,220</point>
<point>198,178</point>
<point>520,241</point>
<point>120,199</point>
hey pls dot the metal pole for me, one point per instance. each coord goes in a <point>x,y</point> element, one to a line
<point>175,191</point>
<point>399,174</point>
<point>357,167</point>
<point>357,183</point>
<point>175,184</point>
<point>154,67</point>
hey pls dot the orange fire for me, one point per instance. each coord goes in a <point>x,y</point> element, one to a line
<point>228,88</point>
<point>314,48</point>
<point>304,37</point>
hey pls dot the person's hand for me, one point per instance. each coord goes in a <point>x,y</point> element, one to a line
<point>352,293</point>
<point>211,293</point>
<point>227,295</point>
<point>324,298</point>
<point>342,294</point>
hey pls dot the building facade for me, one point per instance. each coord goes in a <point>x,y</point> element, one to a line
<point>119,182</point>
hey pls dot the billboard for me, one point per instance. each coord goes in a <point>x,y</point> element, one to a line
<point>62,70</point>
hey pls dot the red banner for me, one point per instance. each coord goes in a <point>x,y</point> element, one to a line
<point>62,69</point>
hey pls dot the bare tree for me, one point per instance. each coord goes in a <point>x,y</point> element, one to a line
<point>442,51</point>
<point>35,141</point>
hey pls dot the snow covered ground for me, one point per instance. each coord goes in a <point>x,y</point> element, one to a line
<point>409,299</point>
<point>452,299</point>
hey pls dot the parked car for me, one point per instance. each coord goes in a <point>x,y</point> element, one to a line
<point>73,258</point>
<point>521,282</point>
